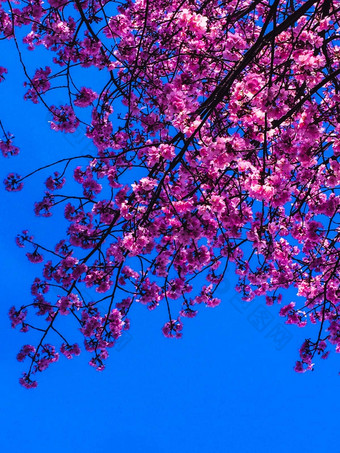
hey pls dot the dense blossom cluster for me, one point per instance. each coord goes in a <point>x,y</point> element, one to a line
<point>227,113</point>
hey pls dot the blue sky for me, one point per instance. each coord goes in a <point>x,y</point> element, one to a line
<point>227,386</point>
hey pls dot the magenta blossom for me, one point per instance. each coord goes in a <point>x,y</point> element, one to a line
<point>13,182</point>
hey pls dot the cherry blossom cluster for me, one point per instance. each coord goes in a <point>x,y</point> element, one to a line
<point>213,141</point>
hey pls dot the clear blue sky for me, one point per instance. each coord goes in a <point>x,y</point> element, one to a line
<point>227,386</point>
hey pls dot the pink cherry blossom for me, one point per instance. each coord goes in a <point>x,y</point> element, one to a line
<point>208,136</point>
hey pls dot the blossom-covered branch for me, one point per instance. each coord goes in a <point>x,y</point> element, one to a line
<point>215,140</point>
